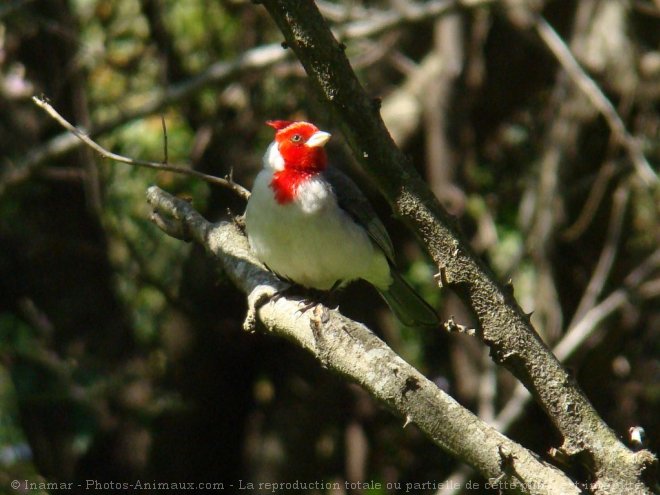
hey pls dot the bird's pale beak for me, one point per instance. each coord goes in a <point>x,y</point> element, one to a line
<point>318,139</point>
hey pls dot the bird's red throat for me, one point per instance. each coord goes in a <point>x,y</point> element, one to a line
<point>286,182</point>
<point>297,170</point>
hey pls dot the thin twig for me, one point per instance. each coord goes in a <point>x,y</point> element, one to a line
<point>217,73</point>
<point>607,255</point>
<point>240,190</point>
<point>588,86</point>
<point>165,156</point>
<point>375,22</point>
<point>592,203</point>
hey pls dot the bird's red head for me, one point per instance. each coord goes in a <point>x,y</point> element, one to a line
<point>301,156</point>
<point>301,145</point>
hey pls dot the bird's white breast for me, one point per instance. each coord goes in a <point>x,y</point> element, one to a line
<point>310,240</point>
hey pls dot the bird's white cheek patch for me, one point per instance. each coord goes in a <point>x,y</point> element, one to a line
<point>273,159</point>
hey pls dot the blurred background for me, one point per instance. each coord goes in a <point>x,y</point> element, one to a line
<point>121,350</point>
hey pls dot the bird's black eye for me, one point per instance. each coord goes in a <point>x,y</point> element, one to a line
<point>296,137</point>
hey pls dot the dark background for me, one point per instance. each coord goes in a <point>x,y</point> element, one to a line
<point>121,350</point>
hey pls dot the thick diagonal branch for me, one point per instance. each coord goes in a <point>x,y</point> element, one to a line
<point>504,326</point>
<point>352,350</point>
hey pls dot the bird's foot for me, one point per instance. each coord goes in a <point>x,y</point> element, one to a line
<point>307,298</point>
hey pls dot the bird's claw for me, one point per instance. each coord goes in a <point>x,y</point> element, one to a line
<point>306,306</point>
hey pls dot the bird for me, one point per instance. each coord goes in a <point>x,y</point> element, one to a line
<point>310,224</point>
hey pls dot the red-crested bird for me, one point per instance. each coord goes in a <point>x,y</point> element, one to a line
<point>310,224</point>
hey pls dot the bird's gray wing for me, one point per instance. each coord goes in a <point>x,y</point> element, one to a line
<point>355,203</point>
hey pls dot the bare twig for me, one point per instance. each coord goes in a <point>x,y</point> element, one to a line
<point>373,22</point>
<point>165,151</point>
<point>607,255</point>
<point>47,107</point>
<point>257,58</point>
<point>597,98</point>
<point>583,328</point>
<point>594,199</point>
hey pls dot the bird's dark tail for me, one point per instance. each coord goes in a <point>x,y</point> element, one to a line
<point>407,305</point>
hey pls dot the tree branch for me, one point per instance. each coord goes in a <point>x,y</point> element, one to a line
<point>591,90</point>
<point>504,326</point>
<point>220,72</point>
<point>373,23</point>
<point>576,335</point>
<point>211,179</point>
<point>353,351</point>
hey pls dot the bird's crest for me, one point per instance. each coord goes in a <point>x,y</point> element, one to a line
<point>279,124</point>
